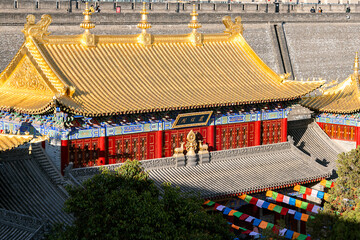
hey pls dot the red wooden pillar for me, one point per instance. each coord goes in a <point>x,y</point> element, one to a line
<point>283,129</point>
<point>64,154</point>
<point>257,141</point>
<point>159,144</point>
<point>210,132</point>
<point>357,136</point>
<point>43,144</point>
<point>102,152</point>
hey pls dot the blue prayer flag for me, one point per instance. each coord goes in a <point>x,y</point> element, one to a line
<point>292,201</point>
<point>298,216</point>
<point>289,234</point>
<point>320,195</point>
<point>226,211</point>
<point>256,222</point>
<point>265,205</point>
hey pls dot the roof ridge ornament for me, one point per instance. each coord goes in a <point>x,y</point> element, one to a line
<point>88,39</point>
<point>233,28</point>
<point>39,30</point>
<point>195,36</point>
<point>144,37</point>
<point>356,65</point>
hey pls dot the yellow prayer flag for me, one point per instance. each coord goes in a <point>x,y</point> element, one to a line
<point>297,188</point>
<point>298,203</point>
<point>269,193</point>
<point>271,206</point>
<point>304,217</point>
<point>263,225</point>
<point>231,213</point>
<point>326,196</point>
<point>323,182</point>
<point>242,196</point>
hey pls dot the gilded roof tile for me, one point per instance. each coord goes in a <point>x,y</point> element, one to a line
<point>10,141</point>
<point>341,98</point>
<point>122,75</point>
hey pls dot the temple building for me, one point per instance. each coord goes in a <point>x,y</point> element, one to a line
<point>105,98</point>
<point>201,111</point>
<point>337,107</point>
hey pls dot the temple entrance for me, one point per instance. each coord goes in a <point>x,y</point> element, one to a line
<point>235,136</point>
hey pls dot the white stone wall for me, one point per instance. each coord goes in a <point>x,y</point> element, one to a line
<point>53,149</point>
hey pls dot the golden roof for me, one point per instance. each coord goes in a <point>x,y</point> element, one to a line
<point>10,141</point>
<point>107,74</point>
<point>341,98</point>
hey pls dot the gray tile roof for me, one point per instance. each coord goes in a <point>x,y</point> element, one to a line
<point>26,188</point>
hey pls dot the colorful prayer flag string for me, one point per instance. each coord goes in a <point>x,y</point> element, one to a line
<point>326,183</point>
<point>311,192</point>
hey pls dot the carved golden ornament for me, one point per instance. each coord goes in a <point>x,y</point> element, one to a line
<point>87,23</point>
<point>191,144</point>
<point>26,77</point>
<point>195,37</point>
<point>144,37</point>
<point>39,30</point>
<point>356,65</point>
<point>233,27</point>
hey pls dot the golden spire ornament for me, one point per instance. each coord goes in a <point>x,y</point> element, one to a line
<point>195,37</point>
<point>88,39</point>
<point>356,65</point>
<point>144,37</point>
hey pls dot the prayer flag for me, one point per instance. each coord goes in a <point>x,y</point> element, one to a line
<point>220,208</point>
<point>249,219</point>
<point>243,217</point>
<point>332,184</point>
<point>296,235</point>
<point>320,195</point>
<point>276,229</point>
<point>277,209</point>
<point>302,189</point>
<point>253,233</point>
<point>260,203</point>
<point>282,232</point>
<point>270,226</point>
<point>271,206</point>
<point>323,182</point>
<point>226,211</point>
<point>210,203</point>
<point>315,209</point>
<point>328,184</point>
<point>297,188</point>
<point>263,224</point>
<point>242,196</point>
<point>256,222</point>
<point>291,211</point>
<point>206,202</point>
<point>216,205</point>
<point>269,193</point>
<point>274,195</point>
<point>298,203</point>
<point>304,205</point>
<point>326,196</point>
<point>265,205</point>
<point>312,217</point>
<point>234,226</point>
<point>253,201</point>
<point>289,234</point>
<point>309,207</point>
<point>280,198</point>
<point>284,211</point>
<point>298,216</point>
<point>286,199</point>
<point>238,214</point>
<point>248,198</point>
<point>302,237</point>
<point>231,213</point>
<point>308,238</point>
<point>243,229</point>
<point>304,217</point>
<point>308,191</point>
<point>246,232</point>
<point>314,193</point>
<point>292,201</point>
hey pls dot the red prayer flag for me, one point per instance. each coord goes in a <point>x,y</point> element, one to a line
<point>284,211</point>
<point>304,196</point>
<point>280,198</point>
<point>243,217</point>
<point>309,207</point>
<point>332,185</point>
<point>253,201</point>
<point>216,205</point>
<point>308,191</point>
<point>246,232</point>
<point>308,238</point>
<point>275,229</point>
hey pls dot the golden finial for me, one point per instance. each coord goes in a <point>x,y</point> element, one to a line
<point>87,24</point>
<point>144,38</point>
<point>194,23</point>
<point>356,64</point>
<point>144,24</point>
<point>88,39</point>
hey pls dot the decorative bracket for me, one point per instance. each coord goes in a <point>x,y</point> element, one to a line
<point>233,28</point>
<point>39,30</point>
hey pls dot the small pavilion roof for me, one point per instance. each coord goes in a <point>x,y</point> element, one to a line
<point>341,98</point>
<point>10,141</point>
<point>120,74</point>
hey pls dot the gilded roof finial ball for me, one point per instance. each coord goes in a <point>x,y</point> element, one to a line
<point>356,64</point>
<point>194,23</point>
<point>87,23</point>
<point>144,24</point>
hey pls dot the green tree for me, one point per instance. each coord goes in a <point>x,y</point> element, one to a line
<point>340,218</point>
<point>126,204</point>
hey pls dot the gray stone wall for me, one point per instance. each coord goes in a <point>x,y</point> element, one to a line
<point>53,150</point>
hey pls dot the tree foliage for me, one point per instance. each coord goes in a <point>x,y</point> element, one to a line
<point>340,218</point>
<point>126,204</point>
